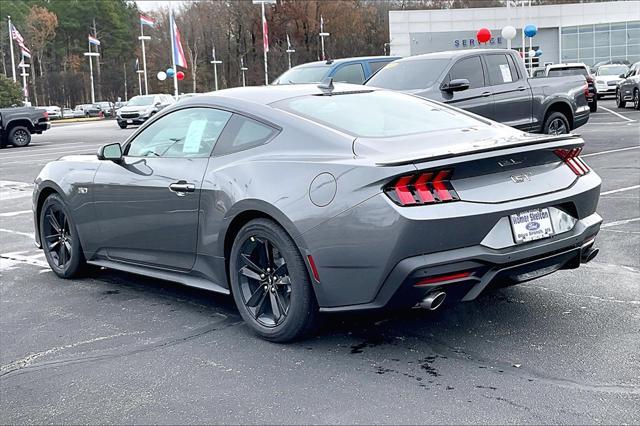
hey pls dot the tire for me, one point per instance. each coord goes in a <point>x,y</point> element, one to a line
<point>122,125</point>
<point>594,105</point>
<point>19,136</point>
<point>59,238</point>
<point>636,99</point>
<point>620,103</point>
<point>275,297</point>
<point>556,124</point>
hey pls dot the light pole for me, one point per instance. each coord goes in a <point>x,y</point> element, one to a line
<point>91,55</point>
<point>243,69</point>
<point>13,61</point>
<point>289,50</point>
<point>322,36</point>
<point>265,36</point>
<point>142,38</point>
<point>215,66</point>
<point>24,76</point>
<point>140,72</point>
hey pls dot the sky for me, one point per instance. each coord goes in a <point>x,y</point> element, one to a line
<point>147,5</point>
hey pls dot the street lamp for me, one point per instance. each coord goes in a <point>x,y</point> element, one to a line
<point>243,69</point>
<point>142,38</point>
<point>140,72</point>
<point>215,66</point>
<point>91,55</point>
<point>24,76</point>
<point>289,50</point>
<point>322,35</point>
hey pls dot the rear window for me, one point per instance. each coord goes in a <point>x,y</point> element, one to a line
<point>303,75</point>
<point>377,113</point>
<point>409,75</point>
<point>560,72</point>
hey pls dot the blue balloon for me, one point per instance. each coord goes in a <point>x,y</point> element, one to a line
<point>530,30</point>
<point>538,52</point>
<point>170,72</point>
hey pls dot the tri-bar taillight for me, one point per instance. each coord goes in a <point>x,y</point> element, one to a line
<point>571,159</point>
<point>429,187</point>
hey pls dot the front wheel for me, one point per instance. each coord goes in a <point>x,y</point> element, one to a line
<point>636,99</point>
<point>620,103</point>
<point>122,125</point>
<point>270,282</point>
<point>19,136</point>
<point>556,124</point>
<point>59,238</point>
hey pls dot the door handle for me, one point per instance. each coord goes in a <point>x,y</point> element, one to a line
<point>182,187</point>
<point>521,88</point>
<point>485,94</point>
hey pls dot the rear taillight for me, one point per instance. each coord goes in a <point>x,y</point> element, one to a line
<point>571,159</point>
<point>46,115</point>
<point>422,188</point>
<point>586,90</point>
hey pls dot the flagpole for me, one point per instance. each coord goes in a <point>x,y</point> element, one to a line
<point>93,93</point>
<point>290,50</point>
<point>124,68</point>
<point>144,58</point>
<point>13,61</point>
<point>266,73</point>
<point>173,56</point>
<point>25,91</point>
<point>215,63</point>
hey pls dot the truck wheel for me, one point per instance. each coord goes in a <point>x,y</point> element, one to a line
<point>19,136</point>
<point>594,105</point>
<point>556,124</point>
<point>620,103</point>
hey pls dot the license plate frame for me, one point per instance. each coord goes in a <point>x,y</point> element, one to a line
<point>531,225</point>
<point>129,121</point>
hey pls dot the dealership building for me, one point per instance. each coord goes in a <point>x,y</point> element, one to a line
<point>577,32</point>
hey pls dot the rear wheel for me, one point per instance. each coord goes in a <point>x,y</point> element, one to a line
<point>620,103</point>
<point>59,238</point>
<point>19,136</point>
<point>636,99</point>
<point>556,124</point>
<point>270,282</point>
<point>593,107</point>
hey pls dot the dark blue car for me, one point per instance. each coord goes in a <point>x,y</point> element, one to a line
<point>346,70</point>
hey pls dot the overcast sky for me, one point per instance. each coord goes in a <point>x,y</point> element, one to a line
<point>147,5</point>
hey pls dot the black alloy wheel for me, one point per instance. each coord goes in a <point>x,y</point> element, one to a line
<point>19,136</point>
<point>264,280</point>
<point>556,124</point>
<point>270,282</point>
<point>59,238</point>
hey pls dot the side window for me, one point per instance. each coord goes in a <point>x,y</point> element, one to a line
<point>377,66</point>
<point>515,72</point>
<point>189,132</point>
<point>243,133</point>
<point>499,70</point>
<point>350,74</point>
<point>471,69</point>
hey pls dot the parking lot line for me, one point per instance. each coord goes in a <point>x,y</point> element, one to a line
<point>11,214</point>
<point>609,151</point>
<point>613,191</point>
<point>620,222</point>
<point>11,231</point>
<point>616,114</point>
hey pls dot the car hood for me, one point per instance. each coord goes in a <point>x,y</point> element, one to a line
<point>135,108</point>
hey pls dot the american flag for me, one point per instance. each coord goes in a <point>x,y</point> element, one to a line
<point>15,34</point>
<point>265,34</point>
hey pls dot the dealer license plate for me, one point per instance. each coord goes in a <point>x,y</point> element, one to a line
<point>531,225</point>
<point>129,121</point>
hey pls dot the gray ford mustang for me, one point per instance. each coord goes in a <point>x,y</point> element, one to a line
<point>304,199</point>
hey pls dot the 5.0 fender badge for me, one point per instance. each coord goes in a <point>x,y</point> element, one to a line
<point>82,190</point>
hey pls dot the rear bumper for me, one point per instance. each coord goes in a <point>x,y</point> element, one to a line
<point>487,268</point>
<point>581,118</point>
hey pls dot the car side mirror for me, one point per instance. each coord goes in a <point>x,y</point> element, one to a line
<point>158,104</point>
<point>622,75</point>
<point>111,152</point>
<point>456,85</point>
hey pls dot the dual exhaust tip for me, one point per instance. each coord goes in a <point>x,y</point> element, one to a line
<point>433,300</point>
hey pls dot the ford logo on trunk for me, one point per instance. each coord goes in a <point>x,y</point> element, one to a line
<point>532,226</point>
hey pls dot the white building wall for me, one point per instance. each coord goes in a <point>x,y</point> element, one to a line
<point>402,23</point>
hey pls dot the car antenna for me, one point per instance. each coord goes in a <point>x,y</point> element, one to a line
<point>326,85</point>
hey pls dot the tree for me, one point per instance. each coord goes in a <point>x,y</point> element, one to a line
<point>41,28</point>
<point>10,92</point>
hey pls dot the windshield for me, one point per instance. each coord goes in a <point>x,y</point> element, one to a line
<point>612,70</point>
<point>409,75</point>
<point>376,113</point>
<point>557,72</point>
<point>140,101</point>
<point>303,75</point>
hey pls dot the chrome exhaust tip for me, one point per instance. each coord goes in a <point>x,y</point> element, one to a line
<point>433,300</point>
<point>589,254</point>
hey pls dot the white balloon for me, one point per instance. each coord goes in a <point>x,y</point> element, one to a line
<point>532,53</point>
<point>508,32</point>
<point>162,75</point>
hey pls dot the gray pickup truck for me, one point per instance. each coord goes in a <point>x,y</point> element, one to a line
<point>492,83</point>
<point>17,124</point>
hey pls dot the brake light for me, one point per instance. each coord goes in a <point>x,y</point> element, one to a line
<point>442,278</point>
<point>586,90</point>
<point>422,188</point>
<point>46,115</point>
<point>571,158</point>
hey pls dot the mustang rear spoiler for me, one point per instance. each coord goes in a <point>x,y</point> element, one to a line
<point>478,147</point>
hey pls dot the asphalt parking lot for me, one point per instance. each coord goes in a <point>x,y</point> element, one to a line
<point>119,348</point>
